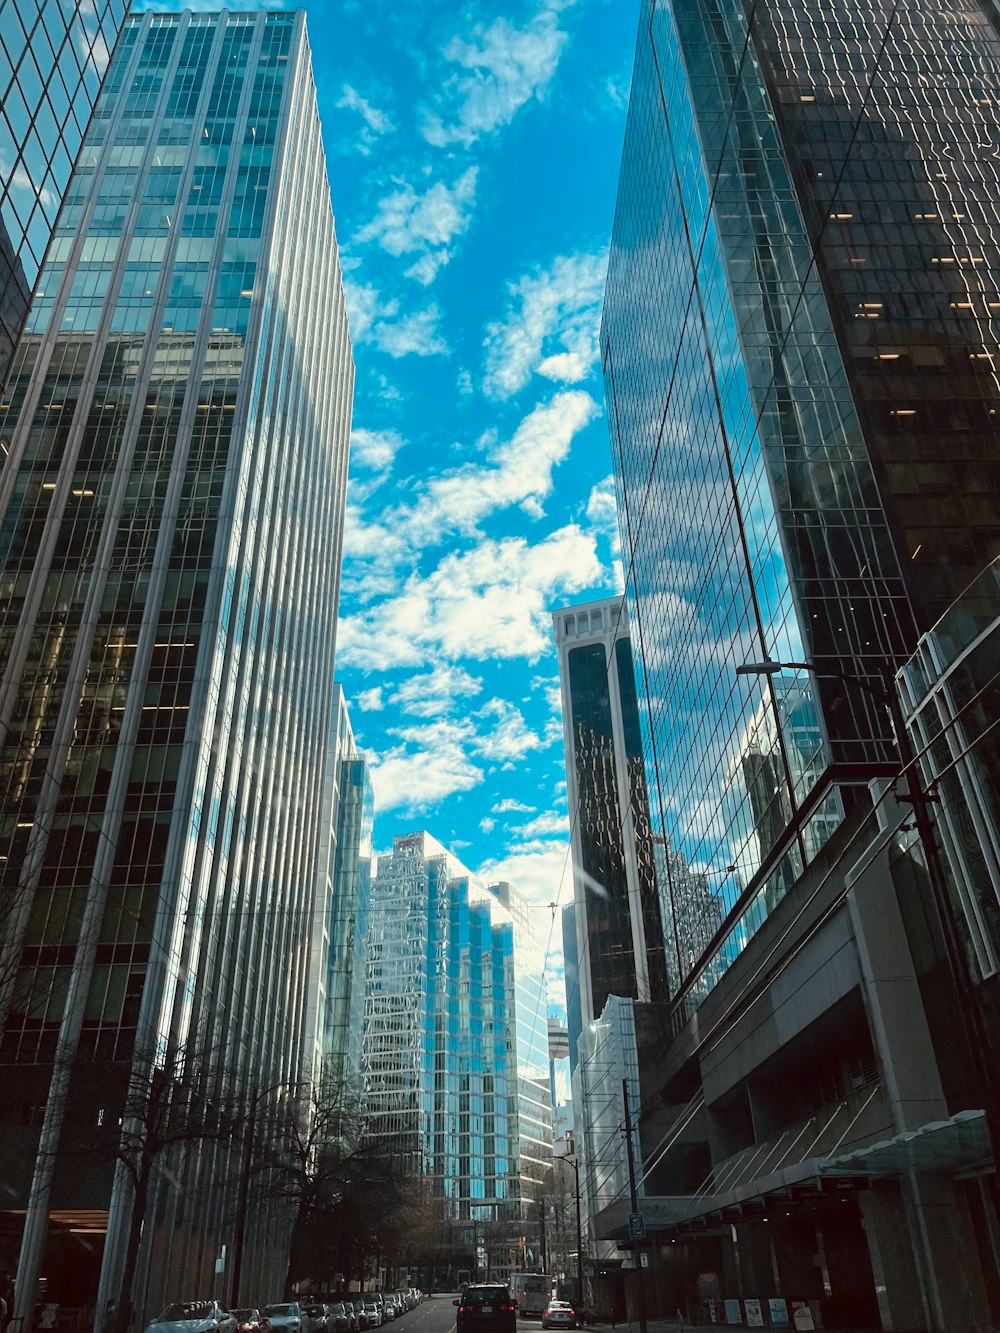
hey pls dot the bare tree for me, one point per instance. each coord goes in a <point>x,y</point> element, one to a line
<point>151,1110</point>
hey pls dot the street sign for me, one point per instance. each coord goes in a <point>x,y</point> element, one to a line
<point>636,1226</point>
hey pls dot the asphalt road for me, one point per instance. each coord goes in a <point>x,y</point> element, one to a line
<point>436,1315</point>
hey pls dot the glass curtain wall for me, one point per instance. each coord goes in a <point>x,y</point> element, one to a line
<point>167,672</point>
<point>53,58</point>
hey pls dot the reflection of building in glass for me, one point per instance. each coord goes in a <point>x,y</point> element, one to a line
<point>454,1051</point>
<point>690,911</point>
<point>619,940</point>
<point>608,1058</point>
<point>172,505</point>
<point>337,990</point>
<point>52,61</point>
<point>951,695</point>
<point>799,353</point>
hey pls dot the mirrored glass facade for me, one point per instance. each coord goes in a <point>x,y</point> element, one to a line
<point>53,57</point>
<point>441,1060</point>
<point>798,348</point>
<point>619,937</point>
<point>340,925</point>
<point>175,457</point>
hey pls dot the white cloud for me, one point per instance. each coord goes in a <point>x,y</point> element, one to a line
<point>437,691</point>
<point>373,319</point>
<point>509,737</point>
<point>509,804</point>
<point>370,701</point>
<point>376,122</point>
<point>487,824</point>
<point>374,449</point>
<point>564,367</point>
<point>417,334</point>
<point>545,825</point>
<point>431,763</point>
<point>602,510</point>
<point>423,224</point>
<point>551,327</point>
<point>499,69</point>
<point>436,758</point>
<point>488,603</point>
<point>538,871</point>
<point>519,472</point>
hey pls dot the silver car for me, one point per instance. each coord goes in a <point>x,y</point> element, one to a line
<point>287,1317</point>
<point>194,1317</point>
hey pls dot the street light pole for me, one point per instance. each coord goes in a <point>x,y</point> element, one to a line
<point>574,1163</point>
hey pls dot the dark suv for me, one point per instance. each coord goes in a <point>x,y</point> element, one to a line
<point>484,1307</point>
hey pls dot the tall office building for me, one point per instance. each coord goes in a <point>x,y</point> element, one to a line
<point>446,1082</point>
<point>340,923</point>
<point>176,454</point>
<point>534,1093</point>
<point>799,349</point>
<point>619,938</point>
<point>53,58</point>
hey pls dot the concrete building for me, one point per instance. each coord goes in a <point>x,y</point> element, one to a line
<point>172,499</point>
<point>53,59</point>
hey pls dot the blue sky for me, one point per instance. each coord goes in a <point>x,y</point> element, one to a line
<point>473,155</point>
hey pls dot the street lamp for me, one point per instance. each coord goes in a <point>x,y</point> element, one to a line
<point>243,1199</point>
<point>571,1158</point>
<point>958,964</point>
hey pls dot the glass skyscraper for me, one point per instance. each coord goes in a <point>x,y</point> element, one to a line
<point>619,937</point>
<point>53,57</point>
<point>341,919</point>
<point>447,1007</point>
<point>175,450</point>
<point>800,358</point>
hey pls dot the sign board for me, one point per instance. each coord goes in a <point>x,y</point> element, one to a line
<point>778,1312</point>
<point>643,1259</point>
<point>755,1316</point>
<point>802,1317</point>
<point>636,1226</point>
<point>733,1313</point>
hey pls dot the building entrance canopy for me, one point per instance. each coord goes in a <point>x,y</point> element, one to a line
<point>957,1145</point>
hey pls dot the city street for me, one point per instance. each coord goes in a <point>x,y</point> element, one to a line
<point>436,1315</point>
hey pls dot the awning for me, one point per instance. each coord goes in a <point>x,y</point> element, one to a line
<point>955,1145</point>
<point>960,1144</point>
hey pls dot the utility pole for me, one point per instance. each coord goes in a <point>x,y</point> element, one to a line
<point>633,1194</point>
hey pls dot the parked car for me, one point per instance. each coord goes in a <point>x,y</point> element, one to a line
<point>316,1315</point>
<point>485,1306</point>
<point>406,1299</point>
<point>337,1318</point>
<point>373,1308</point>
<point>285,1318</point>
<point>249,1320</point>
<point>559,1314</point>
<point>193,1317</point>
<point>361,1314</point>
